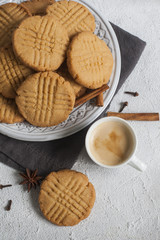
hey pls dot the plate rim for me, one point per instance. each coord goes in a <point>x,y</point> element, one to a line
<point>48,136</point>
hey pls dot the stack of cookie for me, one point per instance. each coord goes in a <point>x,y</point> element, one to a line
<point>49,56</point>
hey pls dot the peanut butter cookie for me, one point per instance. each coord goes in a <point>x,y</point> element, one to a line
<point>11,14</point>
<point>78,89</point>
<point>41,43</point>
<point>12,72</point>
<point>66,197</point>
<point>37,7</point>
<point>74,16</point>
<point>89,60</point>
<point>8,111</point>
<point>45,99</point>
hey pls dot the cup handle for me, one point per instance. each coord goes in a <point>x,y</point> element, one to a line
<point>137,164</point>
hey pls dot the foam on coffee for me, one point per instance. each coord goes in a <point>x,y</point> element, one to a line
<point>111,143</point>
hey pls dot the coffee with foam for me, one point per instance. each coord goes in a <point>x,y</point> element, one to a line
<point>111,143</point>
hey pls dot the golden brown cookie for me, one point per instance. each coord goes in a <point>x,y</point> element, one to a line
<point>45,99</point>
<point>89,60</point>
<point>11,14</point>
<point>74,16</point>
<point>41,43</point>
<point>37,7</point>
<point>78,89</point>
<point>12,72</point>
<point>66,197</point>
<point>8,111</point>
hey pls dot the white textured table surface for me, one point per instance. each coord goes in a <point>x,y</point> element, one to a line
<point>128,202</point>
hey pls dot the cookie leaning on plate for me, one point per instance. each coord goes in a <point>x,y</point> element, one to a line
<point>37,7</point>
<point>11,14</point>
<point>41,43</point>
<point>45,99</point>
<point>89,60</point>
<point>66,197</point>
<point>74,16</point>
<point>8,111</point>
<point>12,72</point>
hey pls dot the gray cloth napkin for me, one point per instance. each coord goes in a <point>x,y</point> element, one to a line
<point>60,154</point>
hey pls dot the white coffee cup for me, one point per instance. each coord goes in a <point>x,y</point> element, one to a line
<point>131,160</point>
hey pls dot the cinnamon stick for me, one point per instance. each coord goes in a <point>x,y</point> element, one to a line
<point>99,100</point>
<point>90,95</point>
<point>135,116</point>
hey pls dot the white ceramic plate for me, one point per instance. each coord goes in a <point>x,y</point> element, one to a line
<point>86,113</point>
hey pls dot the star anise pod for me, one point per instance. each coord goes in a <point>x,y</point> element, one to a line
<point>30,178</point>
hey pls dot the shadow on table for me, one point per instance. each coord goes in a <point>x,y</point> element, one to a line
<point>34,194</point>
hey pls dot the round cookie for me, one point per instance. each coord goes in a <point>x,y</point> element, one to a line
<point>37,7</point>
<point>11,14</point>
<point>66,197</point>
<point>78,89</point>
<point>89,60</point>
<point>45,99</point>
<point>74,16</point>
<point>41,43</point>
<point>8,111</point>
<point>12,72</point>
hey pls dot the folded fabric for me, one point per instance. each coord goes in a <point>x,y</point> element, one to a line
<point>63,153</point>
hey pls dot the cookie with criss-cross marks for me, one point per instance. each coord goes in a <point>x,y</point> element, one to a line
<point>12,72</point>
<point>8,111</point>
<point>78,89</point>
<point>74,16</point>
<point>45,99</point>
<point>41,43</point>
<point>37,7</point>
<point>66,197</point>
<point>89,60</point>
<point>11,14</point>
